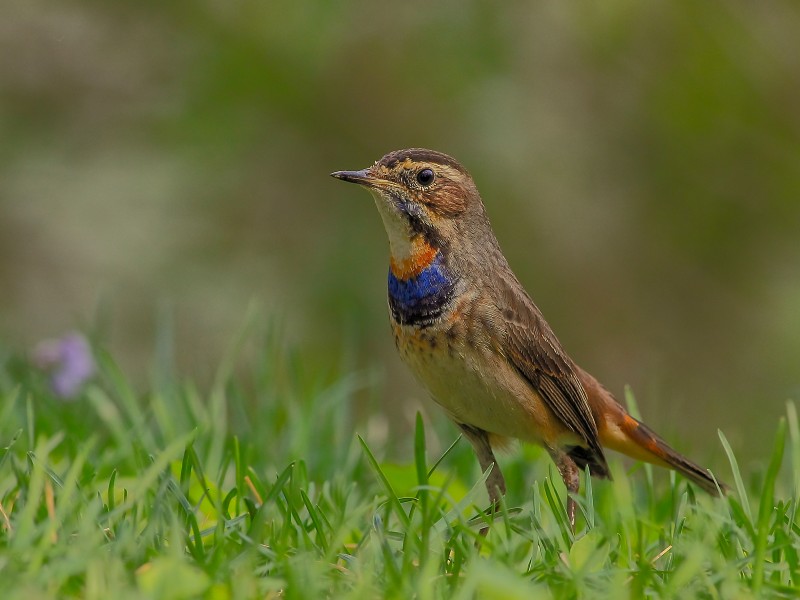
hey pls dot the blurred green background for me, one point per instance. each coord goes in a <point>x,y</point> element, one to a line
<point>640,163</point>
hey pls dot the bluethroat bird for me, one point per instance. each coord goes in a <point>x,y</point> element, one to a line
<point>474,338</point>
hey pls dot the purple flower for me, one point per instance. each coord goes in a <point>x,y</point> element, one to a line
<point>70,361</point>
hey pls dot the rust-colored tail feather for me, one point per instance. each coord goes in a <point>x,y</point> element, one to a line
<point>646,438</point>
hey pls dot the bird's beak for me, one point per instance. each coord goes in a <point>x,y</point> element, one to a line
<point>363,177</point>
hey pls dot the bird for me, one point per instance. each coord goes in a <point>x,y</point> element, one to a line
<point>471,334</point>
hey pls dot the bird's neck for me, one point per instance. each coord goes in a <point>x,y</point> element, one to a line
<point>420,286</point>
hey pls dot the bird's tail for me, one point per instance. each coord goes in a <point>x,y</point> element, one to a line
<point>657,451</point>
<point>621,432</point>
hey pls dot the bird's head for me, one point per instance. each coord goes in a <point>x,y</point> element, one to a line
<point>424,198</point>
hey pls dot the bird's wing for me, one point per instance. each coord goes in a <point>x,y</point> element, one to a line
<point>535,352</point>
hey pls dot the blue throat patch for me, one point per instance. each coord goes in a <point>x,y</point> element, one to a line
<point>421,300</point>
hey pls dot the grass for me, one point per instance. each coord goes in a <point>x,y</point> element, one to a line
<point>262,488</point>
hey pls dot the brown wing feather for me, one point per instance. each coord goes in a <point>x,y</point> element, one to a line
<point>536,354</point>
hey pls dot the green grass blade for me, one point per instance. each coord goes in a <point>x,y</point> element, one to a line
<point>419,451</point>
<point>794,440</point>
<point>766,507</point>
<point>444,455</point>
<point>112,500</point>
<point>737,476</point>
<point>270,497</point>
<point>559,511</point>
<point>7,448</point>
<point>387,487</point>
<point>316,520</point>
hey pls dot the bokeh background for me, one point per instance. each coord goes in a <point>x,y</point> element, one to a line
<point>640,163</point>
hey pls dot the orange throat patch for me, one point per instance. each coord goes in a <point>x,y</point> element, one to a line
<point>422,255</point>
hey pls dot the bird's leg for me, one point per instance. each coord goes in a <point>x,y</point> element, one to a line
<point>495,483</point>
<point>570,473</point>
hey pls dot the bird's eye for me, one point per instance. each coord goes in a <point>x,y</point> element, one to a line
<point>425,177</point>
